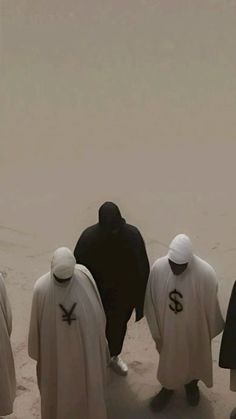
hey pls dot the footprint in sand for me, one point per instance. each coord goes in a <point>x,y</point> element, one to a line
<point>20,389</point>
<point>215,246</point>
<point>139,367</point>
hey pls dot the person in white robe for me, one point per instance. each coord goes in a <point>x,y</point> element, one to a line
<point>183,314</point>
<point>7,368</point>
<point>67,339</point>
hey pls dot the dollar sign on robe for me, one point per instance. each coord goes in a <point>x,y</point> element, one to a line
<point>176,306</point>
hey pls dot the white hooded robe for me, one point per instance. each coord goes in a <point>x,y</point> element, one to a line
<point>7,368</point>
<point>183,330</point>
<point>71,358</point>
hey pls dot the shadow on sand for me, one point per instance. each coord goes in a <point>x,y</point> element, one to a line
<point>129,400</point>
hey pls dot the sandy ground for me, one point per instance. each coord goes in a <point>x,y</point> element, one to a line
<point>126,101</point>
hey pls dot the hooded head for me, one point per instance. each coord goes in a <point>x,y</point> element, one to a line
<point>110,217</point>
<point>180,253</point>
<point>63,264</point>
<point>180,249</point>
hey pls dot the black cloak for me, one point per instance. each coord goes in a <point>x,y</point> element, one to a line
<point>115,254</point>
<point>228,343</point>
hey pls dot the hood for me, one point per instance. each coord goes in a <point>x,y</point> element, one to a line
<point>63,263</point>
<point>110,218</point>
<point>180,249</point>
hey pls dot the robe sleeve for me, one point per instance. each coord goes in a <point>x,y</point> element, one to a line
<point>212,307</point>
<point>150,311</point>
<point>34,337</point>
<point>92,281</point>
<point>228,342</point>
<point>143,266</point>
<point>103,316</point>
<point>5,306</point>
<point>81,249</point>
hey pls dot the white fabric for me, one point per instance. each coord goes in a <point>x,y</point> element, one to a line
<point>180,249</point>
<point>7,369</point>
<point>71,359</point>
<point>63,263</point>
<point>183,339</point>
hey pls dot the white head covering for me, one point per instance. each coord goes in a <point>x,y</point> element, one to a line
<point>180,249</point>
<point>63,263</point>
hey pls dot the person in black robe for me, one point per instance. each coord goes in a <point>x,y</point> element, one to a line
<point>115,254</point>
<point>228,344</point>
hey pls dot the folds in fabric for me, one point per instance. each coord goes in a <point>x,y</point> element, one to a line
<point>7,368</point>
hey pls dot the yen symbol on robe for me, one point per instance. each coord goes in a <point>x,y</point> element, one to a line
<point>68,315</point>
<point>177,306</point>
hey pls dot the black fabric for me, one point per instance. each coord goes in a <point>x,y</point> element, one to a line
<point>228,342</point>
<point>109,217</point>
<point>116,327</point>
<point>191,384</point>
<point>115,254</point>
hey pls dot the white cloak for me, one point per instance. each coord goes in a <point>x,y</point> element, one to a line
<point>183,338</point>
<point>71,359</point>
<point>7,368</point>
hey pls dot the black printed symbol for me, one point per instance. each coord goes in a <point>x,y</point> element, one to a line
<point>67,316</point>
<point>178,307</point>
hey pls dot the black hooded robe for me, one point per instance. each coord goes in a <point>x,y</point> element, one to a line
<point>115,254</point>
<point>228,343</point>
